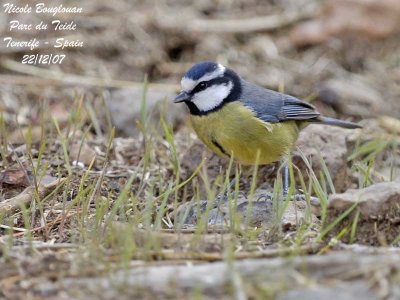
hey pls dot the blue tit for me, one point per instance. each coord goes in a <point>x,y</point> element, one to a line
<point>234,117</point>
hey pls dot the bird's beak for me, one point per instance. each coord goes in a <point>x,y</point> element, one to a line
<point>182,96</point>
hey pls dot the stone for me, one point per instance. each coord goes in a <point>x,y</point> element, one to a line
<point>16,176</point>
<point>378,206</point>
<point>81,153</point>
<point>19,136</point>
<point>352,96</point>
<point>318,142</point>
<point>125,108</point>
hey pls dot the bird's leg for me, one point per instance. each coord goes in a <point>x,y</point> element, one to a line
<point>223,195</point>
<point>286,183</point>
<point>231,184</point>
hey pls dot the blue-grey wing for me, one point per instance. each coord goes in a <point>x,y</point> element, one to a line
<point>273,107</point>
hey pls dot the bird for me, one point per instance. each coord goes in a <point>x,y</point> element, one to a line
<point>244,121</point>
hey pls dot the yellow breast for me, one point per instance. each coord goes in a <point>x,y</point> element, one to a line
<point>235,130</point>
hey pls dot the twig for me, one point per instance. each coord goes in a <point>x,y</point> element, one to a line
<point>262,23</point>
<point>12,228</point>
<point>9,206</point>
<point>28,80</point>
<point>48,225</point>
<point>207,256</point>
<point>46,246</point>
<point>73,79</point>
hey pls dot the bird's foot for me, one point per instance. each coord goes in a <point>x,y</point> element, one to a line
<point>302,197</point>
<point>296,197</point>
<point>221,197</point>
<point>266,197</point>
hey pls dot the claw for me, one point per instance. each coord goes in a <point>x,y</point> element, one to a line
<point>266,197</point>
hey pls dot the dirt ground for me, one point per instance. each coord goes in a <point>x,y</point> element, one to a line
<point>106,192</point>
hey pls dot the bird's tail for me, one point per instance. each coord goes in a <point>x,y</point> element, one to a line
<point>340,123</point>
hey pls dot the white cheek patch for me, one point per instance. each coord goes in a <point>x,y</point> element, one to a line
<point>188,84</point>
<point>212,96</point>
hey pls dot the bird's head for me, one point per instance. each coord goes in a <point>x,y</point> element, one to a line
<point>207,86</point>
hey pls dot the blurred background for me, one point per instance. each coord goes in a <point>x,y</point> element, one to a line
<point>343,55</point>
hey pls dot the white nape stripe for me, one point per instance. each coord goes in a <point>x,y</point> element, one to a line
<point>212,96</point>
<point>188,84</point>
<point>218,72</point>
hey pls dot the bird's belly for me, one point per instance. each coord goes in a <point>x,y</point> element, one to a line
<point>236,131</point>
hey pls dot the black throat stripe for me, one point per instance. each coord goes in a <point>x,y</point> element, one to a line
<point>218,145</point>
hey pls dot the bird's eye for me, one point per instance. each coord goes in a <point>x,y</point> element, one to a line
<point>202,85</point>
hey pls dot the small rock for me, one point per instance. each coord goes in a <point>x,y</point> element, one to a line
<point>128,150</point>
<point>59,110</point>
<point>296,213</point>
<point>260,212</point>
<point>318,142</point>
<point>125,108</point>
<point>379,212</point>
<point>47,179</point>
<point>390,124</point>
<point>81,153</point>
<point>352,96</point>
<point>19,136</point>
<point>16,176</point>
